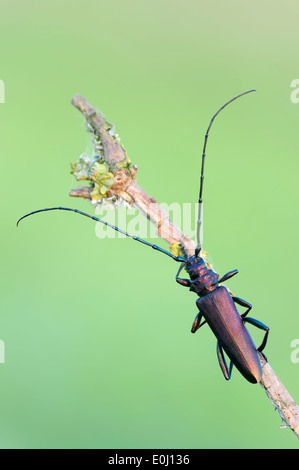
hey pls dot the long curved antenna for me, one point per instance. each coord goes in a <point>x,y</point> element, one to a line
<point>199,221</point>
<point>155,247</point>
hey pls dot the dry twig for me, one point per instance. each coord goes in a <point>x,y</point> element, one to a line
<point>123,185</point>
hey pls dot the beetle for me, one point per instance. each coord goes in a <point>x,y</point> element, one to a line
<point>216,305</point>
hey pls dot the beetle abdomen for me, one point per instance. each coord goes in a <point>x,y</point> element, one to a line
<point>226,323</point>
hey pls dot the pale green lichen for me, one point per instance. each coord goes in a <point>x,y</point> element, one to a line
<point>80,169</point>
<point>97,172</point>
<point>102,186</point>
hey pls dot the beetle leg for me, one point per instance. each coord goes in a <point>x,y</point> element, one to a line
<point>228,275</point>
<point>243,303</point>
<point>261,326</point>
<point>196,323</point>
<point>227,372</point>
<point>183,282</point>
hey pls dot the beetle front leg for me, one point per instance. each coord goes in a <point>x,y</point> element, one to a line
<point>183,282</point>
<point>228,276</point>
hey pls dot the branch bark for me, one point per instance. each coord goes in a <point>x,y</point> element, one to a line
<point>125,187</point>
<point>280,397</point>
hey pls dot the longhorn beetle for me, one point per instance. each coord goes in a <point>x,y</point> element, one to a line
<point>215,304</point>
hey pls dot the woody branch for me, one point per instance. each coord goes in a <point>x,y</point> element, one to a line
<point>118,180</point>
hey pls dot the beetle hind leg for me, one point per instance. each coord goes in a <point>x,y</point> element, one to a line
<point>227,371</point>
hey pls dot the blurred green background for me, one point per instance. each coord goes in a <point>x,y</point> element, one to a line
<point>97,333</point>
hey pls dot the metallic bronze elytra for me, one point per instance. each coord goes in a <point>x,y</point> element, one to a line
<point>217,307</point>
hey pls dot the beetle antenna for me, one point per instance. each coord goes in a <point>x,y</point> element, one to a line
<point>199,219</point>
<point>155,247</point>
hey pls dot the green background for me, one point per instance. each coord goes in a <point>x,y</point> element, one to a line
<point>97,333</point>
